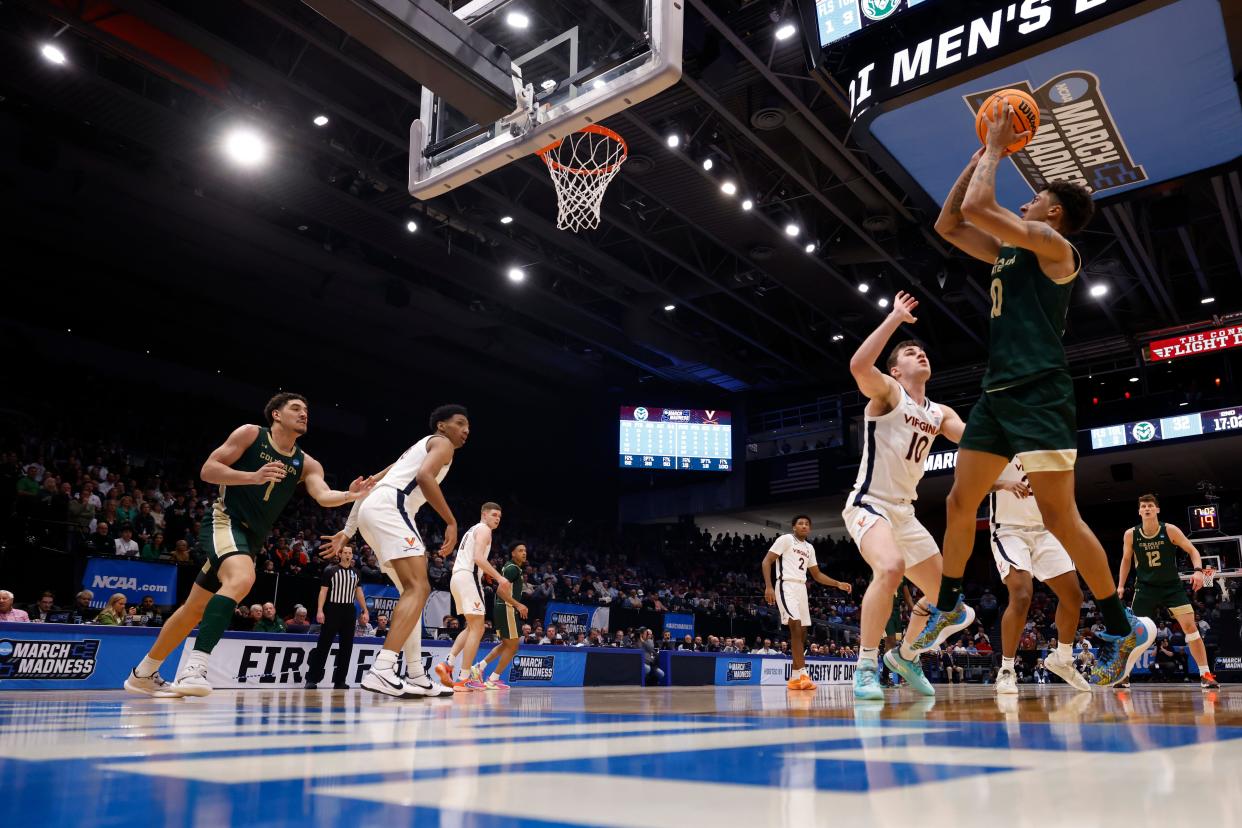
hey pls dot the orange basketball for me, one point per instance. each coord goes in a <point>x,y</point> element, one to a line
<point>1025,116</point>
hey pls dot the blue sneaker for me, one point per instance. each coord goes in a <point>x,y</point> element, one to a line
<point>867,682</point>
<point>941,625</point>
<point>1119,653</point>
<point>911,671</point>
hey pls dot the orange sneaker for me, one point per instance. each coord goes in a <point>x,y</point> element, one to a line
<point>445,671</point>
<point>794,683</point>
<point>806,684</point>
<point>462,685</point>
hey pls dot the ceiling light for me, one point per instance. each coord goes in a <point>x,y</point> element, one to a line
<point>1134,379</point>
<point>810,247</point>
<point>246,146</point>
<point>598,83</point>
<point>728,188</point>
<point>792,229</point>
<point>506,219</point>
<point>838,337</point>
<point>548,85</point>
<point>863,287</point>
<point>303,228</point>
<point>1099,290</point>
<point>517,20</point>
<point>785,31</point>
<point>670,307</point>
<point>53,54</point>
<point>883,302</point>
<point>516,274</point>
<point>708,163</point>
<point>1180,404</point>
<point>747,204</point>
<point>411,226</point>
<point>321,120</point>
<point>1207,300</point>
<point>673,140</point>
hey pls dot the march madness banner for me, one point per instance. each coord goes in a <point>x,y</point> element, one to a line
<point>679,624</point>
<point>572,619</point>
<point>133,579</point>
<point>381,598</point>
<point>71,656</point>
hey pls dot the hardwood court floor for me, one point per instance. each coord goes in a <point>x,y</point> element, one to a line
<point>1164,755</point>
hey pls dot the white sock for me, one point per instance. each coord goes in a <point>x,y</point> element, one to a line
<point>1006,663</point>
<point>1066,650</point>
<point>197,658</point>
<point>413,654</point>
<point>494,677</point>
<point>871,654</point>
<point>385,660</point>
<point>148,667</point>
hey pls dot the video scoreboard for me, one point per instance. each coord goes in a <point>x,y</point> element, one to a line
<point>837,19</point>
<point>675,439</point>
<point>1167,428</point>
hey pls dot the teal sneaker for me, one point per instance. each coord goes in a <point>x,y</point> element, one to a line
<point>867,682</point>
<point>941,625</point>
<point>911,671</point>
<point>1119,653</point>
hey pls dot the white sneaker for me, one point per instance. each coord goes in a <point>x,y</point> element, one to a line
<point>424,686</point>
<point>1064,668</point>
<point>152,685</point>
<point>192,681</point>
<point>1006,683</point>
<point>386,681</point>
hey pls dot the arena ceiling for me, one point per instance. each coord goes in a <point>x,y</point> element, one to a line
<point>112,166</point>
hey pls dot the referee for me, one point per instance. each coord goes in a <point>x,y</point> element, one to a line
<point>338,589</point>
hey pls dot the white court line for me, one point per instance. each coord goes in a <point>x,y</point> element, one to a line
<point>408,759</point>
<point>949,755</point>
<point>411,734</point>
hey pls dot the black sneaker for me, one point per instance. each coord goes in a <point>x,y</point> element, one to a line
<point>312,685</point>
<point>340,687</point>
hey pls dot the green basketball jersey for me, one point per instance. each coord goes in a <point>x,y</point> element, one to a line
<point>1026,322</point>
<point>513,574</point>
<point>259,506</point>
<point>1155,558</point>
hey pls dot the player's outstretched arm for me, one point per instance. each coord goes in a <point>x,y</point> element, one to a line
<point>1127,557</point>
<point>981,209</point>
<point>844,586</point>
<point>316,487</point>
<point>871,382</point>
<point>439,455</point>
<point>951,424</point>
<point>1183,543</point>
<point>218,466</point>
<point>953,227</point>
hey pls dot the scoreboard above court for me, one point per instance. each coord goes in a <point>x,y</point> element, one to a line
<point>838,19</point>
<point>675,439</point>
<point>1167,428</point>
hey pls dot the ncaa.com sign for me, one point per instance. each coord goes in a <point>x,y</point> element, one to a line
<point>133,579</point>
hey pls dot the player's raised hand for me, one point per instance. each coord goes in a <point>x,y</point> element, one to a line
<point>903,307</point>
<point>450,540</point>
<point>335,543</point>
<point>1001,133</point>
<point>769,595</point>
<point>361,487</point>
<point>268,473</point>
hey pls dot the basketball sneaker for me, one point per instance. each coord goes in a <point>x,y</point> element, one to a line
<point>794,683</point>
<point>474,680</point>
<point>496,683</point>
<point>1118,653</point>
<point>1058,665</point>
<point>384,680</point>
<point>1007,682</point>
<point>941,625</point>
<point>1124,684</point>
<point>1206,680</point>
<point>152,685</point>
<point>911,671</point>
<point>192,681</point>
<point>423,686</point>
<point>445,671</point>
<point>805,682</point>
<point>867,682</point>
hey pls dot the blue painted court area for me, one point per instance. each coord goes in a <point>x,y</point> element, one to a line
<point>720,756</point>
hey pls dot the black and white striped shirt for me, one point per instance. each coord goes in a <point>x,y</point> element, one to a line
<point>341,584</point>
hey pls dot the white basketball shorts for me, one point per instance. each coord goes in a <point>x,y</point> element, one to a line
<point>912,538</point>
<point>387,528</point>
<point>1032,549</point>
<point>792,602</point>
<point>467,595</point>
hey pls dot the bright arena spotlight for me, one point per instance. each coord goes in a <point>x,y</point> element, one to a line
<point>246,146</point>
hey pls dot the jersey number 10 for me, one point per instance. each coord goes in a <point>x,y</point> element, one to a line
<point>918,447</point>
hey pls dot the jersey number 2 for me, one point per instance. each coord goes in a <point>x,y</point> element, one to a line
<point>918,445</point>
<point>998,297</point>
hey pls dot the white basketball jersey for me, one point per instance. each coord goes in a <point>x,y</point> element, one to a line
<point>894,448</point>
<point>795,558</point>
<point>1008,509</point>
<point>465,560</point>
<point>403,473</point>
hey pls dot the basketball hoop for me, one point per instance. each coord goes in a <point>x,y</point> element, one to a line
<point>582,164</point>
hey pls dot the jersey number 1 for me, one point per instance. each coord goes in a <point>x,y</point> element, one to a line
<point>918,445</point>
<point>271,484</point>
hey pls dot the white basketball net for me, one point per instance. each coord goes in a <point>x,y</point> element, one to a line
<point>582,164</point>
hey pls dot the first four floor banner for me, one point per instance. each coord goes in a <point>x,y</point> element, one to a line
<point>134,579</point>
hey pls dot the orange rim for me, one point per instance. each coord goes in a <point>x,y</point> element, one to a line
<point>598,130</point>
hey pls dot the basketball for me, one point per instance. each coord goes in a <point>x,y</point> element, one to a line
<point>1025,116</point>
